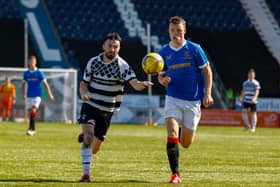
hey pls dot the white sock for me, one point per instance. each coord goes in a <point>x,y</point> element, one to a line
<point>86,154</point>
<point>254,120</point>
<point>245,118</point>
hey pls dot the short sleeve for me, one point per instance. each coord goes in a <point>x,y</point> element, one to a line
<point>127,72</point>
<point>42,75</point>
<point>88,71</point>
<point>200,57</point>
<point>24,76</point>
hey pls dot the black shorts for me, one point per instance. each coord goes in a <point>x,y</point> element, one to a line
<point>102,120</point>
<point>251,106</point>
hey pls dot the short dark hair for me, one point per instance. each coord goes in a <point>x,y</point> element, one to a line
<point>177,20</point>
<point>252,70</point>
<point>32,57</point>
<point>113,36</point>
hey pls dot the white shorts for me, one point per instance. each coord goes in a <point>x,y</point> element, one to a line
<point>187,113</point>
<point>33,101</point>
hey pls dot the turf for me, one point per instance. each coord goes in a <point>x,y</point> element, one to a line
<point>134,155</point>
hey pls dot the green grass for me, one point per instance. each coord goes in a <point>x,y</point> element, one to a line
<point>135,155</point>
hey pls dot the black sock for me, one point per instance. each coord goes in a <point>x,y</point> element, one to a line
<point>179,135</point>
<point>32,123</point>
<point>173,156</point>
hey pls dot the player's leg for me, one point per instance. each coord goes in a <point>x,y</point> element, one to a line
<point>33,106</point>
<point>8,110</point>
<point>173,115</point>
<point>254,117</point>
<point>1,109</point>
<point>32,115</point>
<point>191,117</point>
<point>86,152</point>
<point>187,137</point>
<point>103,121</point>
<point>172,148</point>
<point>245,116</point>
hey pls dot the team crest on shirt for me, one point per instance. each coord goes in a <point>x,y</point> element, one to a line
<point>187,55</point>
<point>168,57</point>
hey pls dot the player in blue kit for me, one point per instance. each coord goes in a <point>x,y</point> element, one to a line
<point>187,77</point>
<point>33,78</point>
<point>248,98</point>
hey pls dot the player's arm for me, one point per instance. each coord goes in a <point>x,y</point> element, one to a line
<point>208,75</point>
<point>139,85</point>
<point>242,95</point>
<point>84,90</point>
<point>163,78</point>
<point>14,94</point>
<point>255,97</point>
<point>46,84</point>
<point>23,87</point>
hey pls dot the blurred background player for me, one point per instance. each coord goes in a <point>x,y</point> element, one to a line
<point>102,90</point>
<point>33,78</point>
<point>184,63</point>
<point>8,98</point>
<point>248,99</point>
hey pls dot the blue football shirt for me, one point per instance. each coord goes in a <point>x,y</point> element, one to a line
<point>33,80</point>
<point>184,66</point>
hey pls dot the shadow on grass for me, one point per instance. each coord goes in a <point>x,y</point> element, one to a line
<point>40,180</point>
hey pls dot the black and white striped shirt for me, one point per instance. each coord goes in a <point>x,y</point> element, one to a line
<point>250,87</point>
<point>106,82</point>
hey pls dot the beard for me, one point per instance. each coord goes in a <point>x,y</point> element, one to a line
<point>110,56</point>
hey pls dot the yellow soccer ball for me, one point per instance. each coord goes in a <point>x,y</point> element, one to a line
<point>152,63</point>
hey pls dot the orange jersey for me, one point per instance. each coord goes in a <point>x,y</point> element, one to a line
<point>8,92</point>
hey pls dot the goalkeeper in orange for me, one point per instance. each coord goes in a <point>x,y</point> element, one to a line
<point>8,93</point>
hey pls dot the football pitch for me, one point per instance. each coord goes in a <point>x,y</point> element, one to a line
<point>135,155</point>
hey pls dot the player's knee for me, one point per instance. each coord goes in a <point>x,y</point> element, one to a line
<point>33,113</point>
<point>186,144</point>
<point>95,150</point>
<point>88,137</point>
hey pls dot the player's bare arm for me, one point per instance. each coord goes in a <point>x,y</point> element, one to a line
<point>84,91</point>
<point>255,97</point>
<point>208,100</point>
<point>140,85</point>
<point>23,87</point>
<point>46,84</point>
<point>163,78</point>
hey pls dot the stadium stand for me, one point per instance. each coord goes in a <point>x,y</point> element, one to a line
<point>206,14</point>
<point>275,8</point>
<point>9,9</point>
<point>85,21</point>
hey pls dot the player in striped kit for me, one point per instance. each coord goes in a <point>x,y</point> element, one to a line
<point>248,99</point>
<point>102,90</point>
<point>187,77</point>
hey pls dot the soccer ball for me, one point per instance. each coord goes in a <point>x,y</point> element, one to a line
<point>152,63</point>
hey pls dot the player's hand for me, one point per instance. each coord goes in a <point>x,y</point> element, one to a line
<point>254,100</point>
<point>208,100</point>
<point>24,96</point>
<point>147,83</point>
<point>163,78</point>
<point>51,98</point>
<point>85,97</point>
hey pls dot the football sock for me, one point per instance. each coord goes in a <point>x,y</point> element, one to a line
<point>173,154</point>
<point>32,123</point>
<point>86,154</point>
<point>254,120</point>
<point>179,135</point>
<point>32,120</point>
<point>245,118</point>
